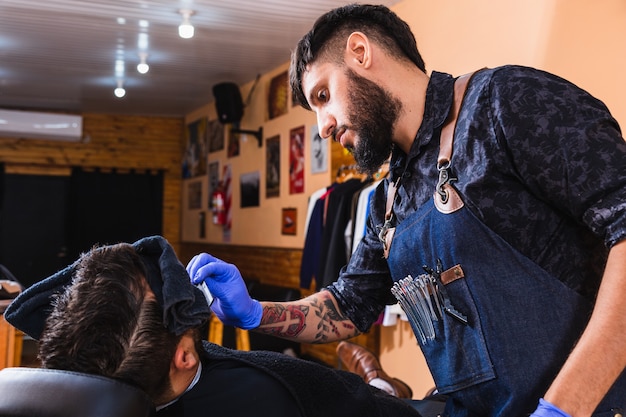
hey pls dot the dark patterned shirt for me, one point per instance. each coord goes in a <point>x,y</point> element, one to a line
<point>538,160</point>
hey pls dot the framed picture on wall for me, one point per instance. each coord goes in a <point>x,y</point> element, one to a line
<point>194,161</point>
<point>296,160</point>
<point>233,145</point>
<point>215,135</point>
<point>289,221</point>
<point>250,187</point>
<point>194,193</point>
<point>272,160</point>
<point>319,152</point>
<point>278,99</point>
<point>214,177</point>
<point>227,176</point>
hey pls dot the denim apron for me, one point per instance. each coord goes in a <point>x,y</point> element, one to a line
<point>512,324</point>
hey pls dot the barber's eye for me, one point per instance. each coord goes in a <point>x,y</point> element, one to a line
<point>322,95</point>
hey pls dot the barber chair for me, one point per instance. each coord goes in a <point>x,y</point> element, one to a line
<point>35,392</point>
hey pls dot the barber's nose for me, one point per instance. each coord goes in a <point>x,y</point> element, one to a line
<point>326,125</point>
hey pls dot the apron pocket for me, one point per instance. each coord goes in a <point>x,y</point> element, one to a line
<point>458,357</point>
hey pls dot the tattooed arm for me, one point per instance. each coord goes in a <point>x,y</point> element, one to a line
<point>314,319</point>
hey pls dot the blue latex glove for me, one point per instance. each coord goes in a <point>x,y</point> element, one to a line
<point>546,409</point>
<point>232,303</point>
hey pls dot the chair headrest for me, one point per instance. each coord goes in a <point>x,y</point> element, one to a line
<point>56,393</point>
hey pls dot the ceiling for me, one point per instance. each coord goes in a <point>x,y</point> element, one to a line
<point>60,55</point>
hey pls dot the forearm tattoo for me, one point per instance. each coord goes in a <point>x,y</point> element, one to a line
<point>290,321</point>
<point>331,321</point>
<point>282,321</point>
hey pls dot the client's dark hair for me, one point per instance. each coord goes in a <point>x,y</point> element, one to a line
<point>109,323</point>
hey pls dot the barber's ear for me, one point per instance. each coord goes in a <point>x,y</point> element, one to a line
<point>185,356</point>
<point>358,49</point>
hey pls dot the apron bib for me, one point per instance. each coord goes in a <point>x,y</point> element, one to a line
<point>521,322</point>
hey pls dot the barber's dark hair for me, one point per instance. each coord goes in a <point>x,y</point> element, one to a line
<point>327,39</point>
<point>104,324</point>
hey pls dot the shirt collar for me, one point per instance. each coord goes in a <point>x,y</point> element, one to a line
<point>439,94</point>
<point>194,381</point>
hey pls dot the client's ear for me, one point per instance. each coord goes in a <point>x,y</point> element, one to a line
<point>184,365</point>
<point>185,357</point>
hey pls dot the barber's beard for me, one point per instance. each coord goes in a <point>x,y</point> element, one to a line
<point>372,113</point>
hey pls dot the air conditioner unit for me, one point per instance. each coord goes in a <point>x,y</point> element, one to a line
<point>36,125</point>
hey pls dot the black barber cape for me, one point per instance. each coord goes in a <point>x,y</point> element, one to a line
<point>260,383</point>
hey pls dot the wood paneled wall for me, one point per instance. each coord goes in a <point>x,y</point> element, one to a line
<point>111,142</point>
<point>272,266</point>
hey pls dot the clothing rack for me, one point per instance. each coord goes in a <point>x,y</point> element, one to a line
<point>346,172</point>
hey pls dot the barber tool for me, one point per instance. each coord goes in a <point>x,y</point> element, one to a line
<point>205,290</point>
<point>417,297</point>
<point>443,294</point>
<point>424,300</point>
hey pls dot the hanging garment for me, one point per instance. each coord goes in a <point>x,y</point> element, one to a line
<point>333,251</point>
<point>361,213</point>
<point>312,242</point>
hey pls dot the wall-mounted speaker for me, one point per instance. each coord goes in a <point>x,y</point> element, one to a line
<point>228,102</point>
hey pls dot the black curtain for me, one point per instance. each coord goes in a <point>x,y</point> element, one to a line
<point>111,207</point>
<point>33,225</point>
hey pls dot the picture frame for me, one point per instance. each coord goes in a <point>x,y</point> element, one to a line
<point>272,168</point>
<point>278,98</point>
<point>194,195</point>
<point>194,159</point>
<point>319,152</point>
<point>215,135</point>
<point>289,221</point>
<point>249,186</point>
<point>296,160</point>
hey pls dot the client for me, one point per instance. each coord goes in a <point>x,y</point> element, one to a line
<point>129,312</point>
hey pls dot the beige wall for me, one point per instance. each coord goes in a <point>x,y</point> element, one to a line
<point>580,40</point>
<point>261,226</point>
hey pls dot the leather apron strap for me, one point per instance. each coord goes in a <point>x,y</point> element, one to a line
<point>446,199</point>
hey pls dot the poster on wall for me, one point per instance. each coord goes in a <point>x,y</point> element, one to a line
<point>194,194</point>
<point>249,186</point>
<point>289,221</point>
<point>214,178</point>
<point>319,152</point>
<point>272,168</point>
<point>278,99</point>
<point>228,194</point>
<point>194,159</point>
<point>215,135</point>
<point>296,160</point>
<point>233,145</point>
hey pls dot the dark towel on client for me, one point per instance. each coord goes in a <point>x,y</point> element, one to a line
<point>184,306</point>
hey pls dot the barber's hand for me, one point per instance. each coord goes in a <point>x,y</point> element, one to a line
<point>546,409</point>
<point>232,303</point>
